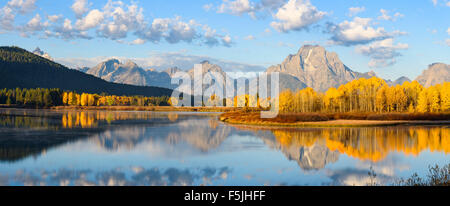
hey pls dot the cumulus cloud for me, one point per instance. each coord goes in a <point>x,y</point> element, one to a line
<point>35,24</point>
<point>116,20</point>
<point>352,11</point>
<point>447,41</point>
<point>91,20</point>
<point>138,41</point>
<point>237,7</point>
<point>383,53</point>
<point>22,6</point>
<point>54,18</point>
<point>296,15</point>
<point>11,9</point>
<point>358,31</point>
<point>448,31</point>
<point>80,7</point>
<point>385,15</point>
<point>67,31</point>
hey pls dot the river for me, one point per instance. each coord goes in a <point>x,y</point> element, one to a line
<point>46,147</point>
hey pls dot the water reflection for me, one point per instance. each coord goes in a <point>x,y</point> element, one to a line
<point>118,138</point>
<point>118,177</point>
<point>372,144</point>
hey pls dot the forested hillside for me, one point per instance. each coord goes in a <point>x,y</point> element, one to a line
<point>20,68</point>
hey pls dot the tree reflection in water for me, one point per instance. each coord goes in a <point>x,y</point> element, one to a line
<point>25,133</point>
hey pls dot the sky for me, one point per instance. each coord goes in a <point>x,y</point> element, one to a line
<point>392,38</point>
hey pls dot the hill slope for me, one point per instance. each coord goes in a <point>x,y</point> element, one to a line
<point>20,68</point>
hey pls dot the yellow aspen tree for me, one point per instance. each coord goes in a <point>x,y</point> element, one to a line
<point>78,99</point>
<point>65,98</point>
<point>381,99</point>
<point>286,101</point>
<point>91,100</point>
<point>445,97</point>
<point>434,98</point>
<point>422,102</point>
<point>84,99</point>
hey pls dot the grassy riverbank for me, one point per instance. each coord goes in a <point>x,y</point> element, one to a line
<point>334,120</point>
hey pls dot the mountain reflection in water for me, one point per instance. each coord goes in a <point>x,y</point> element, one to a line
<point>200,141</point>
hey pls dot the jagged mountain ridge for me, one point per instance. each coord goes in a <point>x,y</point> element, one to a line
<point>130,73</point>
<point>312,66</point>
<point>317,68</point>
<point>436,73</point>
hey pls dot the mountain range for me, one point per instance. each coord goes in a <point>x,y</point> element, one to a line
<point>312,66</point>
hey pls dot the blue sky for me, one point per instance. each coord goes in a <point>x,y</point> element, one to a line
<point>392,38</point>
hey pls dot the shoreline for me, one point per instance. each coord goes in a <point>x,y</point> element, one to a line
<point>251,123</point>
<point>338,123</point>
<point>130,108</point>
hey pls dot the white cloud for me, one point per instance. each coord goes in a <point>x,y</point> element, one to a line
<point>54,18</point>
<point>121,19</point>
<point>115,21</point>
<point>11,9</point>
<point>385,15</point>
<point>358,31</point>
<point>296,15</point>
<point>383,53</point>
<point>355,10</point>
<point>35,24</point>
<point>448,4</point>
<point>67,31</point>
<point>138,41</point>
<point>447,41</point>
<point>7,17</point>
<point>91,20</point>
<point>181,31</point>
<point>227,41</point>
<point>80,7</point>
<point>250,37</point>
<point>448,31</point>
<point>23,6</point>
<point>236,7</point>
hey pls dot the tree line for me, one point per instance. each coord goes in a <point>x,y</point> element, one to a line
<point>85,99</point>
<point>31,97</point>
<point>41,97</point>
<point>369,95</point>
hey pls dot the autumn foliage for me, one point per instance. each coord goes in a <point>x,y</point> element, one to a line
<point>369,95</point>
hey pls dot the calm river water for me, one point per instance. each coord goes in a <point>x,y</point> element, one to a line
<point>44,147</point>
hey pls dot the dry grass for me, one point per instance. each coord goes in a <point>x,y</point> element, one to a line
<point>391,116</point>
<point>334,120</point>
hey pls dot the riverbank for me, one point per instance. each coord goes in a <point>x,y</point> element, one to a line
<point>149,108</point>
<point>334,120</point>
